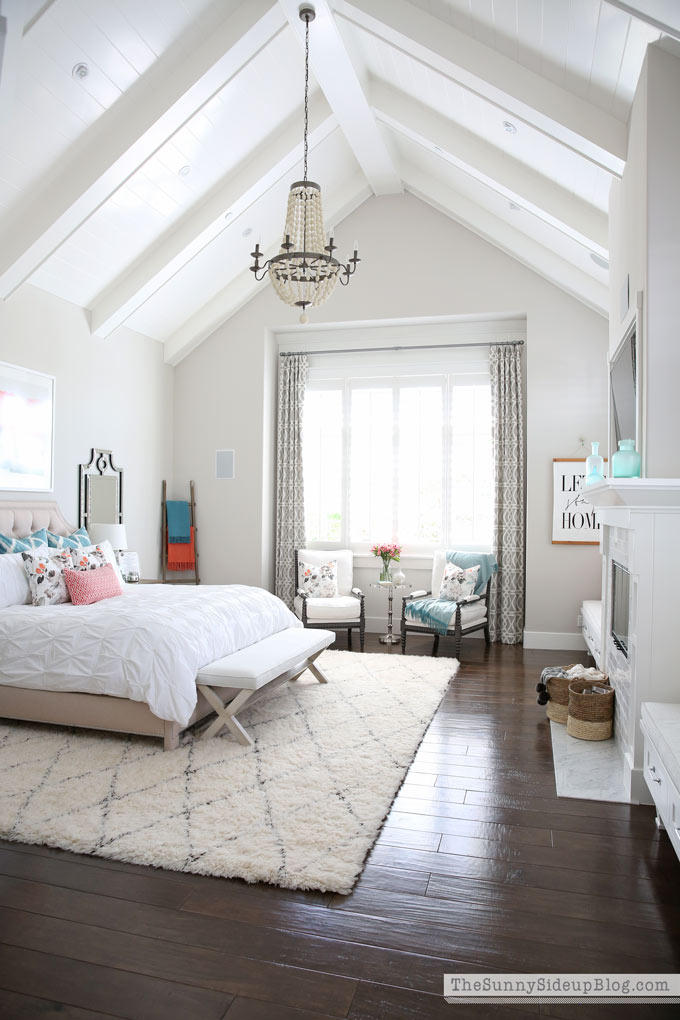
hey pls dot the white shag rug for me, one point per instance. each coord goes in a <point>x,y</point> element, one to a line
<point>300,809</point>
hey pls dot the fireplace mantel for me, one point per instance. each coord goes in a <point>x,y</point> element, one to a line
<point>636,493</point>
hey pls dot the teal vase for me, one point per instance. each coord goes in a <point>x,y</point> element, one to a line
<point>594,466</point>
<point>626,460</point>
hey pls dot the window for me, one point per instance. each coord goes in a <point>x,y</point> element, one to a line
<point>397,447</point>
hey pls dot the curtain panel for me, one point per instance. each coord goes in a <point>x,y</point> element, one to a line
<point>506,617</point>
<point>290,495</point>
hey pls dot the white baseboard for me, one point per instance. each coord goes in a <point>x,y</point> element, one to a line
<point>554,639</point>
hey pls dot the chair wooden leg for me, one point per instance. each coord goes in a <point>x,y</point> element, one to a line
<point>362,636</point>
<point>435,644</point>
<point>487,636</point>
<point>403,640</point>
<point>349,638</point>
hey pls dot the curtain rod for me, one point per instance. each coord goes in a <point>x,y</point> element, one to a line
<point>413,347</point>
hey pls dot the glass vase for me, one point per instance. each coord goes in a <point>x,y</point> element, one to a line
<point>594,466</point>
<point>626,460</point>
<point>386,572</point>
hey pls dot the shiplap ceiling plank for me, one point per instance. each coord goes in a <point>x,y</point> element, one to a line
<point>276,158</point>
<point>496,168</point>
<point>663,15</point>
<point>576,123</point>
<point>12,20</point>
<point>333,70</point>
<point>178,84</point>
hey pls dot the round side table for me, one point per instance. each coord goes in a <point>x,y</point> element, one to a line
<point>390,587</point>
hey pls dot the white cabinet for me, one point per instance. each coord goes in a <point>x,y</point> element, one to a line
<point>660,725</point>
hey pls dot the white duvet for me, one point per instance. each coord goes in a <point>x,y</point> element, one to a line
<point>147,645</point>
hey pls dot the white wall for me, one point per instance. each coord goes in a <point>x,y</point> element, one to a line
<point>223,394</point>
<point>114,394</point>
<point>645,243</point>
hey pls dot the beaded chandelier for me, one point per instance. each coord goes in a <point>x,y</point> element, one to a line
<point>305,272</point>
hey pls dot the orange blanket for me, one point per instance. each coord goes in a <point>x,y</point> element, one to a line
<point>182,555</point>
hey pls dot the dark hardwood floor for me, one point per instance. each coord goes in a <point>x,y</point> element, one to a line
<point>480,867</point>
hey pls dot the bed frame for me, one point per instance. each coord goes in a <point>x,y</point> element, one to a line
<point>94,711</point>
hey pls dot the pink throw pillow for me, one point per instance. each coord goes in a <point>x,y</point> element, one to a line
<point>88,586</point>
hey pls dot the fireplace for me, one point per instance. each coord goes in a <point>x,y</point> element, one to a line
<point>620,599</point>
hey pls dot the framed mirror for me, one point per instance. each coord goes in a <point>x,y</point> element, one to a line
<point>100,497</point>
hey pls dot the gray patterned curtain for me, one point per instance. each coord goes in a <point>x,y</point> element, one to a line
<point>290,497</point>
<point>506,617</point>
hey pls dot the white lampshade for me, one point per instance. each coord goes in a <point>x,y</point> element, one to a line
<point>113,533</point>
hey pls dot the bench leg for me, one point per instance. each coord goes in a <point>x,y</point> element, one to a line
<point>226,714</point>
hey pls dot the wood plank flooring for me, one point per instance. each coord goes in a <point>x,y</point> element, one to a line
<point>479,868</point>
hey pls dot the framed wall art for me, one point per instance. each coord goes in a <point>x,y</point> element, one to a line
<point>574,518</point>
<point>26,429</point>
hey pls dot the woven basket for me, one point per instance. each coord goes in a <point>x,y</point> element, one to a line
<point>557,708</point>
<point>590,715</point>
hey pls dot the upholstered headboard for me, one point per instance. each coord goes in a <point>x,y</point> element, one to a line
<point>19,518</point>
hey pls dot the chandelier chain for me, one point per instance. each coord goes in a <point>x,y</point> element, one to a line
<point>306,92</point>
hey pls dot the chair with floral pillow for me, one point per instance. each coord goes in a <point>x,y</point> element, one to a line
<point>325,596</point>
<point>457,602</point>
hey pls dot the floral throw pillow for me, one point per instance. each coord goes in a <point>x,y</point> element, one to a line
<point>45,569</point>
<point>457,583</point>
<point>319,581</point>
<point>87,559</point>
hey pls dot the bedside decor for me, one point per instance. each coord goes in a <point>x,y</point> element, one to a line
<point>387,553</point>
<point>113,533</point>
<point>26,429</point>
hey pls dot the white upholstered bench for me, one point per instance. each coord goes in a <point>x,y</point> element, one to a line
<point>250,671</point>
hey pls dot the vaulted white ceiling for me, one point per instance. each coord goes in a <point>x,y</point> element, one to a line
<point>138,189</point>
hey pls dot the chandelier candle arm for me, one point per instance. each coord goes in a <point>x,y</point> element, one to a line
<point>305,272</point>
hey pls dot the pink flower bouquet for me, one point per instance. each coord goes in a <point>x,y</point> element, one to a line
<point>387,554</point>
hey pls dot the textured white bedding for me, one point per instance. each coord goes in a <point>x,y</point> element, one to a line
<point>146,645</point>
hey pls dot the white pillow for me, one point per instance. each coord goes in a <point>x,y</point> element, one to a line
<point>14,587</point>
<point>107,549</point>
<point>457,583</point>
<point>319,581</point>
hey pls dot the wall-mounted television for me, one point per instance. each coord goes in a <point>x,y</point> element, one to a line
<point>625,390</point>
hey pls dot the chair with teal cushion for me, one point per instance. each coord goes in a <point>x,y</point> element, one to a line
<point>423,612</point>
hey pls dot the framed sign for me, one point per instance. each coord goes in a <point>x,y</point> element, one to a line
<point>574,518</point>
<point>26,429</point>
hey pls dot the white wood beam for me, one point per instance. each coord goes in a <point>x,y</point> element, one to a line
<point>174,88</point>
<point>205,220</point>
<point>333,69</point>
<point>513,88</point>
<point>661,14</point>
<point>12,19</point>
<point>486,163</point>
<point>244,287</point>
<point>509,239</point>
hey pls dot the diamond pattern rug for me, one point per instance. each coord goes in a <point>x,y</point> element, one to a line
<point>300,809</point>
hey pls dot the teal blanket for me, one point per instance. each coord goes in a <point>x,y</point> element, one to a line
<point>179,522</point>
<point>437,614</point>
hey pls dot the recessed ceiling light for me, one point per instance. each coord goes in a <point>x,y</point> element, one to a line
<point>515,207</point>
<point>184,171</point>
<point>438,149</point>
<point>247,232</point>
<point>80,71</point>
<point>228,214</point>
<point>509,127</point>
<point>599,261</point>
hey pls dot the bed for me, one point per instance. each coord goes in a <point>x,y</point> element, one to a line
<point>127,664</point>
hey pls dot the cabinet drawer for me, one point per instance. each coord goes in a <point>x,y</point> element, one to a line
<point>672,819</point>
<point>656,778</point>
